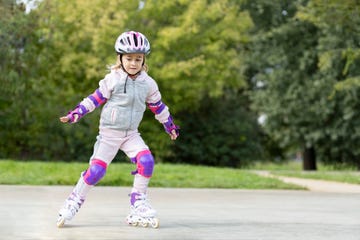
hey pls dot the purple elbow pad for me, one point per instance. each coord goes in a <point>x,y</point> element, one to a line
<point>169,126</point>
<point>97,98</point>
<point>157,107</point>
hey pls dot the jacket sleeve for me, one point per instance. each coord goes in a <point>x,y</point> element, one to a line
<point>94,100</point>
<point>106,85</point>
<point>160,110</point>
<point>100,95</point>
<point>155,103</point>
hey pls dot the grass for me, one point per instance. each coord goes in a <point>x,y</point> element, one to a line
<point>118,174</point>
<point>170,175</point>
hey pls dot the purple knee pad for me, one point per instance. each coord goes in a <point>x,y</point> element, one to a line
<point>144,162</point>
<point>95,172</point>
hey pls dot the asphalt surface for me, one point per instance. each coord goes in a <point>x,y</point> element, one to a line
<point>30,212</point>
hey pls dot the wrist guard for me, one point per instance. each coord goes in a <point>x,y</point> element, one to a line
<point>169,126</point>
<point>76,114</point>
<point>93,101</point>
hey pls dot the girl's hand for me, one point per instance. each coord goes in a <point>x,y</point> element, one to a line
<point>173,135</point>
<point>64,119</point>
<point>171,128</point>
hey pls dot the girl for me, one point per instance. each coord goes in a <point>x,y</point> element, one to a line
<point>125,91</point>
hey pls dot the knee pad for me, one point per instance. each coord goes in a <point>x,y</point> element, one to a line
<point>95,172</point>
<point>145,163</point>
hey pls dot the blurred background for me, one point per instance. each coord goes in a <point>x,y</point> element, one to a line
<point>246,80</point>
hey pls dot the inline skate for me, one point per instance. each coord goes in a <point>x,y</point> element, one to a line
<point>71,207</point>
<point>141,212</point>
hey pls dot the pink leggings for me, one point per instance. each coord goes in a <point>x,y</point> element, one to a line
<point>109,142</point>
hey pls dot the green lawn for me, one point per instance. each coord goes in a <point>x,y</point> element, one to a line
<point>170,175</point>
<point>118,174</point>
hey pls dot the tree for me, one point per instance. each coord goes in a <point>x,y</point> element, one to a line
<point>197,60</point>
<point>195,55</point>
<point>50,59</point>
<point>339,61</point>
<point>17,49</point>
<point>297,65</point>
<point>76,36</point>
<point>222,132</point>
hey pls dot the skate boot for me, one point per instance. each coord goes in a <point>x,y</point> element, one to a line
<point>71,207</point>
<point>141,212</point>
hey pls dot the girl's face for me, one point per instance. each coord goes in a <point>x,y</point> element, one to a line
<point>133,62</point>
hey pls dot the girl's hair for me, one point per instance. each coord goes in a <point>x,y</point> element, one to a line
<point>118,64</point>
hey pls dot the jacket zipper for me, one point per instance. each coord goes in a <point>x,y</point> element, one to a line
<point>133,102</point>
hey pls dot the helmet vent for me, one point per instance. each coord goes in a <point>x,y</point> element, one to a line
<point>135,41</point>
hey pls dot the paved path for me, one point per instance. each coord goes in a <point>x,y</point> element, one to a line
<point>29,212</point>
<point>316,185</point>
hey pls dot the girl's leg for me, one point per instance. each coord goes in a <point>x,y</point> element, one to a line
<point>104,151</point>
<point>139,153</point>
<point>140,184</point>
<point>141,211</point>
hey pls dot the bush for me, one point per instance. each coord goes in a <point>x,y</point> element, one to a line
<point>221,133</point>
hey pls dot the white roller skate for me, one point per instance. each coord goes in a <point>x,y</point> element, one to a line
<point>141,212</point>
<point>71,207</point>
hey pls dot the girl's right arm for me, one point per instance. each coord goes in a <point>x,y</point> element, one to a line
<point>87,105</point>
<point>93,101</point>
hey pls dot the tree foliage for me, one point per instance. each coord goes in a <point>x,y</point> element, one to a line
<point>222,132</point>
<point>20,95</point>
<point>339,61</point>
<point>302,69</point>
<point>194,57</point>
<point>198,62</point>
<point>297,61</point>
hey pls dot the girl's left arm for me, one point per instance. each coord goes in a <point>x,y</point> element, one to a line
<point>162,114</point>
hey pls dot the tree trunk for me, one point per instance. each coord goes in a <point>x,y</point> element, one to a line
<point>309,161</point>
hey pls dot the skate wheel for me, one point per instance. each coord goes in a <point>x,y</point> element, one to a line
<point>130,221</point>
<point>155,223</point>
<point>60,222</point>
<point>134,224</point>
<point>144,224</point>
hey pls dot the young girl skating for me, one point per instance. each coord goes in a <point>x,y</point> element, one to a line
<point>125,91</point>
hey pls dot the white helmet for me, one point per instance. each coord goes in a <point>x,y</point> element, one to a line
<point>132,42</point>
